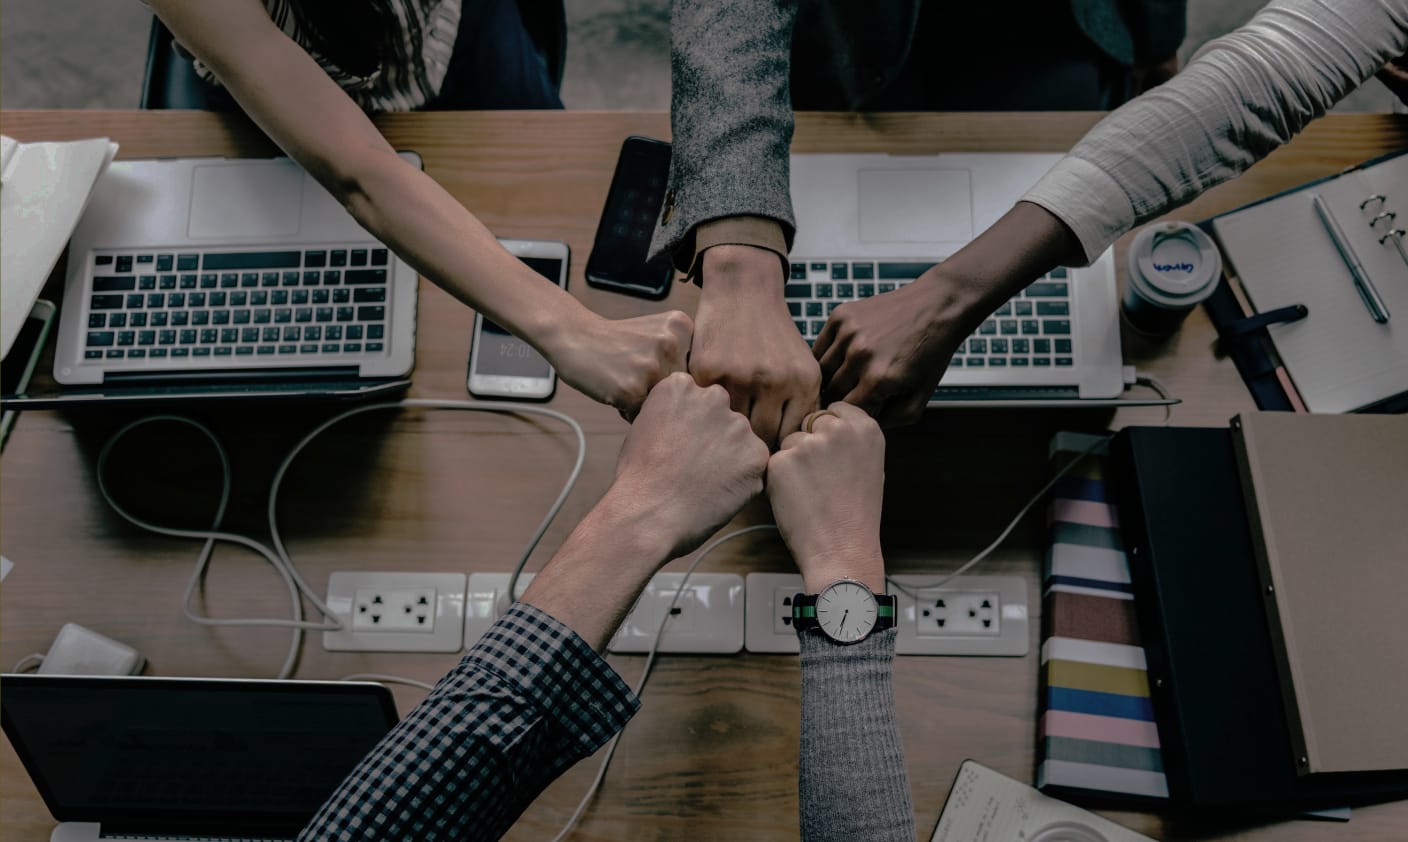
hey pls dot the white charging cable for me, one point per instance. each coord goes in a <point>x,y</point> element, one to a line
<point>383,678</point>
<point>1011,525</point>
<point>1144,380</point>
<point>210,536</point>
<point>1153,383</point>
<point>278,556</point>
<point>34,660</point>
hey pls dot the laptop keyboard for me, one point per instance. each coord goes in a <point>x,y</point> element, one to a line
<point>1032,330</point>
<point>250,305</point>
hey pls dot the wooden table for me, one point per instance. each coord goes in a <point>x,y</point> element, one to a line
<point>712,754</point>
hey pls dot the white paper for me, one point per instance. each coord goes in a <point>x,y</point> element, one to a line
<point>985,806</point>
<point>45,188</point>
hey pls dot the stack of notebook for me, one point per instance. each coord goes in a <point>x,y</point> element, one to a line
<point>1282,698</point>
<point>1097,734</point>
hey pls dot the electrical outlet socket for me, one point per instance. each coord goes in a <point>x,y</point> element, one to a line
<point>409,610</point>
<point>767,623</point>
<point>709,617</point>
<point>982,615</point>
<point>396,612</point>
<point>946,612</point>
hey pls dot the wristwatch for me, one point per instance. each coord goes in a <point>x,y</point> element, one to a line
<point>845,611</point>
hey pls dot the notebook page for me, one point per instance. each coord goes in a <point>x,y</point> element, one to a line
<point>1339,358</point>
<point>45,190</point>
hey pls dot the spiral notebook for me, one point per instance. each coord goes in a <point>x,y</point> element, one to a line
<point>1339,358</point>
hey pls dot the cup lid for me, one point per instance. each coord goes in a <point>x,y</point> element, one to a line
<point>1174,263</point>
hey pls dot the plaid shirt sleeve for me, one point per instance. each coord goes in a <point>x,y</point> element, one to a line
<point>530,699</point>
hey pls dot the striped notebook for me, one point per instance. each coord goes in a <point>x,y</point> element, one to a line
<point>1096,731</point>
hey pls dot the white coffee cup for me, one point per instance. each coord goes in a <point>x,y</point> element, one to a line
<point>1173,266</point>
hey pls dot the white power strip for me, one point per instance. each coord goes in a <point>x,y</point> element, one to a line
<point>708,616</point>
<point>969,615</point>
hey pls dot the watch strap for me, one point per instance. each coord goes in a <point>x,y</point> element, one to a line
<point>804,612</point>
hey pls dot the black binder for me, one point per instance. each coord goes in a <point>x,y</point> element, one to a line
<point>1213,682</point>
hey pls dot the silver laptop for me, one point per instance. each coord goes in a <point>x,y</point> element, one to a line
<point>242,276</point>
<point>188,758</point>
<point>869,224</point>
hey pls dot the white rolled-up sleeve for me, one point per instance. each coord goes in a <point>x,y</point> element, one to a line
<point>1240,97</point>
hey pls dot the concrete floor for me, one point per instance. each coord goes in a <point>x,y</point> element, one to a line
<point>90,53</point>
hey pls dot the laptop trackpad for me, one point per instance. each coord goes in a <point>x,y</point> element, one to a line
<point>246,199</point>
<point>916,206</point>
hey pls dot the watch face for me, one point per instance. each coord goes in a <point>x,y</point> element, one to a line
<point>846,611</point>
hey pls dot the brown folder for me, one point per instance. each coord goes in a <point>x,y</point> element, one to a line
<point>1327,497</point>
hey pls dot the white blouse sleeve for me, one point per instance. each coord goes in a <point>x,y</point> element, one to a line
<point>1240,97</point>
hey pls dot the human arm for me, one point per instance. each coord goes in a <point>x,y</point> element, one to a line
<point>887,353</point>
<point>826,489</point>
<point>728,220</point>
<point>282,88</point>
<point>1242,96</point>
<point>1394,75</point>
<point>532,696</point>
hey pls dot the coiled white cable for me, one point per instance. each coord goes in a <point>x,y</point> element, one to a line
<point>278,556</point>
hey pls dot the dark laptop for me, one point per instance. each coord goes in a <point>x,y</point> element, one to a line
<point>183,758</point>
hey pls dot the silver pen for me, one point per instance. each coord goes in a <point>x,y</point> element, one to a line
<point>1351,260</point>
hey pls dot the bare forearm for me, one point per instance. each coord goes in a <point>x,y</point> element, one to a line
<point>595,578</point>
<point>1024,244</point>
<point>293,100</point>
<point>427,227</point>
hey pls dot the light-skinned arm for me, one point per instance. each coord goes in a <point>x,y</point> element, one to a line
<point>288,95</point>
<point>728,218</point>
<point>532,696</point>
<point>826,489</point>
<point>688,465</point>
<point>745,341</point>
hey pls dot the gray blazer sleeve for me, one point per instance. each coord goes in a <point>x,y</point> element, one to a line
<point>852,782</point>
<point>730,116</point>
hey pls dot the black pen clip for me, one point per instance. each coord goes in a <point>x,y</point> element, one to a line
<point>1281,315</point>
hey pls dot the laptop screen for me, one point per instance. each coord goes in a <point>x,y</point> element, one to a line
<point>168,754</point>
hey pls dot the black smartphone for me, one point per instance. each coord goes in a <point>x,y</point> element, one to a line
<point>618,259</point>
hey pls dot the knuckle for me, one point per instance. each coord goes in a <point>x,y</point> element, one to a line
<point>715,393</point>
<point>677,321</point>
<point>871,381</point>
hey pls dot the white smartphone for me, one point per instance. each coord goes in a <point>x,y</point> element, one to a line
<point>23,356</point>
<point>500,364</point>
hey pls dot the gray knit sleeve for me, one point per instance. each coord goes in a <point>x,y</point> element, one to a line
<point>730,118</point>
<point>852,782</point>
